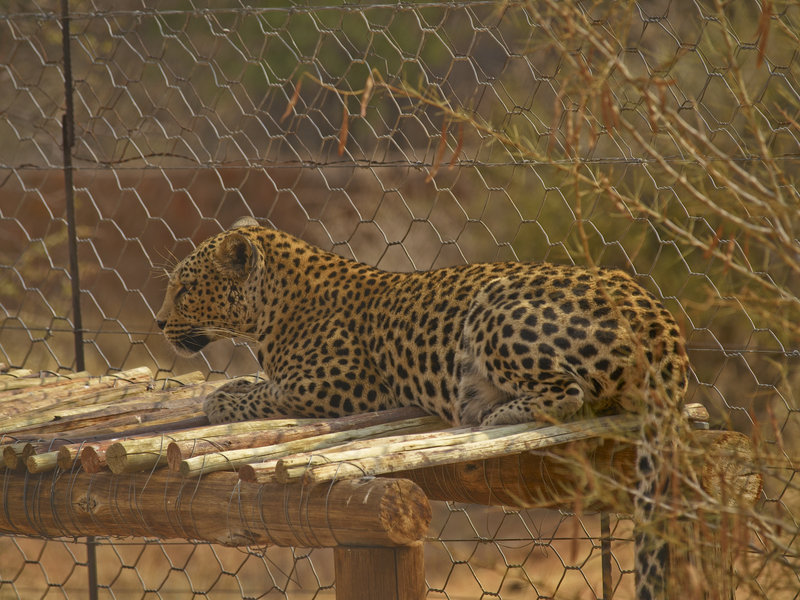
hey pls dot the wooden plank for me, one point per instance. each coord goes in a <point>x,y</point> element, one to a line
<point>219,508</point>
<point>367,573</point>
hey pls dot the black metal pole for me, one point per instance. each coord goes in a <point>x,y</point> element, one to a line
<point>68,140</point>
<point>605,555</point>
<point>67,134</point>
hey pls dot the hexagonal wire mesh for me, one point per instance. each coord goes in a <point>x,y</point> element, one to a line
<point>654,136</point>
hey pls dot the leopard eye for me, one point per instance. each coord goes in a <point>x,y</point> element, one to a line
<point>185,287</point>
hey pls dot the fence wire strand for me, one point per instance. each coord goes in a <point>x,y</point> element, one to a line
<point>660,137</point>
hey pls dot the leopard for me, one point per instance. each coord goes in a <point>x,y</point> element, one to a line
<point>476,344</point>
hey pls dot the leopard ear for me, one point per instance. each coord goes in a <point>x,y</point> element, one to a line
<point>244,222</point>
<point>236,255</point>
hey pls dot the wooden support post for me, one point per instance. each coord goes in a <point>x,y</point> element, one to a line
<point>703,568</point>
<point>706,537</point>
<point>368,573</point>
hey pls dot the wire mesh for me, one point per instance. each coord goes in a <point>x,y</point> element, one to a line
<point>660,137</point>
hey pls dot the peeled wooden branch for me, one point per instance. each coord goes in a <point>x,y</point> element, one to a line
<point>295,466</point>
<point>141,453</point>
<point>254,434</point>
<point>13,374</point>
<point>386,449</point>
<point>41,406</point>
<point>93,453</point>
<point>40,463</point>
<point>72,403</point>
<point>13,454</point>
<point>219,509</point>
<point>235,458</point>
<point>142,407</point>
<point>149,418</point>
<point>24,379</point>
<point>93,458</point>
<point>403,455</point>
<point>600,473</point>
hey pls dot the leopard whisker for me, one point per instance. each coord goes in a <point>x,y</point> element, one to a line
<point>230,333</point>
<point>167,263</point>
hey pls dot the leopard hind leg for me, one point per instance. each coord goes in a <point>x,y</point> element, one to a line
<point>516,396</point>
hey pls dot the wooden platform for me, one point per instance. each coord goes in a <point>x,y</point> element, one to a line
<point>126,455</point>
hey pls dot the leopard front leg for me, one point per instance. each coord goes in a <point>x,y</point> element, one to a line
<point>240,400</point>
<point>300,393</point>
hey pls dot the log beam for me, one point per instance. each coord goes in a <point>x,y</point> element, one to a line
<point>217,508</point>
<point>597,474</point>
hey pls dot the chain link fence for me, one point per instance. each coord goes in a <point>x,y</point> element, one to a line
<point>655,136</point>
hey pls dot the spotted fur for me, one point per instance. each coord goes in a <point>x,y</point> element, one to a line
<point>475,344</point>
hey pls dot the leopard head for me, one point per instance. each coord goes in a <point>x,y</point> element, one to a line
<point>213,292</point>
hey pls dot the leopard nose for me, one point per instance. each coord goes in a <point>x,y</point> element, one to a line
<point>161,324</point>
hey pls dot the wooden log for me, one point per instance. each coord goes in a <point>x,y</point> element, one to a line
<point>233,459</point>
<point>10,387</point>
<point>85,393</point>
<point>600,473</point>
<point>59,418</point>
<point>12,454</point>
<point>117,416</point>
<point>11,374</point>
<point>94,434</point>
<point>140,453</point>
<point>116,425</point>
<point>93,458</point>
<point>219,508</point>
<point>488,443</point>
<point>69,452</point>
<point>137,455</point>
<point>284,469</point>
<point>42,462</point>
<point>295,466</point>
<point>95,403</point>
<point>9,378</point>
<point>263,472</point>
<point>19,454</point>
<point>367,573</point>
<point>695,412</point>
<point>93,453</point>
<point>50,394</point>
<point>155,425</point>
<point>253,434</point>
